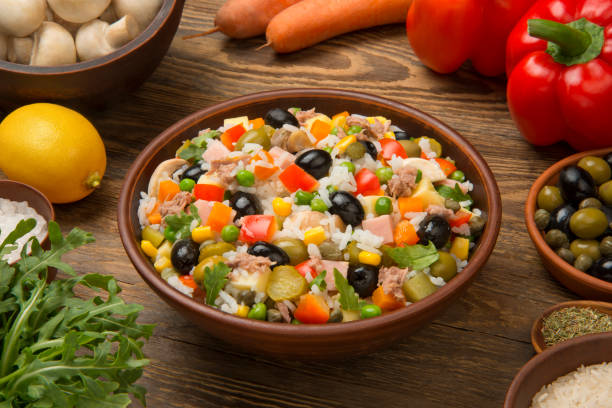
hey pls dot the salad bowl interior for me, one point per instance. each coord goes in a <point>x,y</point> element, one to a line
<point>325,340</point>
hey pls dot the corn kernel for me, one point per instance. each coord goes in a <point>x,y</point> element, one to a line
<point>369,258</point>
<point>201,234</point>
<point>345,142</point>
<point>281,207</point>
<point>389,135</point>
<point>460,248</point>
<point>314,235</point>
<point>165,249</point>
<point>339,120</point>
<point>148,248</point>
<point>162,263</point>
<point>372,119</point>
<point>243,311</point>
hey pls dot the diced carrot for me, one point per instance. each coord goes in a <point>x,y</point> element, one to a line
<point>188,281</point>
<point>231,136</point>
<point>410,204</point>
<point>154,218</point>
<point>167,190</point>
<point>446,166</point>
<point>384,301</point>
<point>312,309</point>
<point>256,123</point>
<point>405,234</point>
<point>263,172</point>
<point>320,130</point>
<point>341,114</point>
<point>219,216</point>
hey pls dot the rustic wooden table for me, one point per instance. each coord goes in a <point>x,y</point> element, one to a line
<point>465,358</point>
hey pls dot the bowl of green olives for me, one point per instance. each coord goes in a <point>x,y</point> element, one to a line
<point>569,219</point>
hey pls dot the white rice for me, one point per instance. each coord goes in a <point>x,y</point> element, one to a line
<point>313,251</point>
<point>175,282</point>
<point>587,387</point>
<point>11,212</point>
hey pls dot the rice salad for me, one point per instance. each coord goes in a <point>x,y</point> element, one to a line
<point>11,213</point>
<point>299,217</point>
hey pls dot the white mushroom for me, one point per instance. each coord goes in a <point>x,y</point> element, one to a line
<point>53,45</point>
<point>429,169</point>
<point>3,47</point>
<point>98,38</point>
<point>21,18</point>
<point>144,11</point>
<point>78,11</point>
<point>20,49</point>
<point>164,171</point>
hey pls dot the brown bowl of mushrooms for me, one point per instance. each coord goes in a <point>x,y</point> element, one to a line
<point>81,51</point>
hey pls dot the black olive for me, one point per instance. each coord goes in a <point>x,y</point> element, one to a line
<point>602,269</point>
<point>184,255</point>
<point>245,204</point>
<point>576,184</point>
<point>560,218</point>
<point>276,255</point>
<point>315,162</point>
<point>194,172</point>
<point>370,148</point>
<point>347,207</point>
<point>401,135</point>
<point>278,117</point>
<point>363,278</point>
<point>435,229</point>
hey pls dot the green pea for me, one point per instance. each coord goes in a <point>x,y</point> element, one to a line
<point>245,178</point>
<point>258,312</point>
<point>295,321</point>
<point>328,149</point>
<point>170,234</point>
<point>318,205</point>
<point>384,174</point>
<point>303,197</point>
<point>354,129</point>
<point>383,206</point>
<point>186,184</point>
<point>368,311</point>
<point>230,233</point>
<point>334,131</point>
<point>457,175</point>
<point>349,165</point>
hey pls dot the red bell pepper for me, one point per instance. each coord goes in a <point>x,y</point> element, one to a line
<point>559,63</point>
<point>231,136</point>
<point>257,228</point>
<point>390,147</point>
<point>294,178</point>
<point>446,33</point>
<point>305,268</point>
<point>208,192</point>
<point>312,309</point>
<point>367,182</point>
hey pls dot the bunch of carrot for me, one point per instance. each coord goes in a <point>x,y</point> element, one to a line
<point>291,25</point>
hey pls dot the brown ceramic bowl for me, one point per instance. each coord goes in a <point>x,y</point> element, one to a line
<point>570,277</point>
<point>98,81</point>
<point>556,362</point>
<point>310,341</point>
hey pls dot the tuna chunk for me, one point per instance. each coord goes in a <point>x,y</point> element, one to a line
<point>304,116</point>
<point>176,205</point>
<point>250,263</point>
<point>403,182</point>
<point>392,279</point>
<point>371,131</point>
<point>381,226</point>
<point>215,150</point>
<point>282,158</point>
<point>445,213</point>
<point>224,169</point>
<point>305,220</point>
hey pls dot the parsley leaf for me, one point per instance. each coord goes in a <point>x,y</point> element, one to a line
<point>319,281</point>
<point>419,176</point>
<point>202,139</point>
<point>214,281</point>
<point>181,224</point>
<point>197,146</point>
<point>416,257</point>
<point>348,298</point>
<point>455,194</point>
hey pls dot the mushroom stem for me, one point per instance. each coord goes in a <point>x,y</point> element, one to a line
<point>53,45</point>
<point>21,18</point>
<point>144,11</point>
<point>98,38</point>
<point>20,49</point>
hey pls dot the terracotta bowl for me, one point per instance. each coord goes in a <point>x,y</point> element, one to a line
<point>556,362</point>
<point>15,191</point>
<point>570,277</point>
<point>310,341</point>
<point>98,81</point>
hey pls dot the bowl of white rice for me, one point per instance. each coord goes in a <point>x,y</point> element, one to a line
<point>18,202</point>
<point>575,373</point>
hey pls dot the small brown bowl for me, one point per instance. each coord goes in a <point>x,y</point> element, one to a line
<point>310,341</point>
<point>100,80</point>
<point>15,191</point>
<point>570,277</point>
<point>537,339</point>
<point>556,362</point>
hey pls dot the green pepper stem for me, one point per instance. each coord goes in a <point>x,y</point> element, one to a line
<point>571,41</point>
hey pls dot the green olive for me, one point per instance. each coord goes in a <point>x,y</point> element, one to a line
<point>210,262</point>
<point>355,150</point>
<point>329,250</point>
<point>549,198</point>
<point>605,246</point>
<point>583,262</point>
<point>445,267</point>
<point>556,239</point>
<point>269,130</point>
<point>452,204</point>
<point>418,287</point>
<point>588,223</point>
<point>258,136</point>
<point>590,202</point>
<point>605,192</point>
<point>295,248</point>
<point>597,167</point>
<point>542,218</point>
<point>566,255</point>
<point>286,283</point>
<point>353,252</point>
<point>585,246</point>
<point>411,147</point>
<point>218,248</point>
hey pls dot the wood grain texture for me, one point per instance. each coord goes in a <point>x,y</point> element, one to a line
<point>466,358</point>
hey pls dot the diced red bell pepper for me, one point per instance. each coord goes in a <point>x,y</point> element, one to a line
<point>312,309</point>
<point>231,136</point>
<point>257,228</point>
<point>305,268</point>
<point>208,192</point>
<point>446,166</point>
<point>390,147</point>
<point>459,218</point>
<point>367,182</point>
<point>294,178</point>
<point>188,281</point>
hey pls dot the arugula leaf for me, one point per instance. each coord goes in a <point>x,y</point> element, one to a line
<point>319,281</point>
<point>454,194</point>
<point>214,281</point>
<point>348,298</point>
<point>22,228</point>
<point>416,257</point>
<point>197,146</point>
<point>181,224</point>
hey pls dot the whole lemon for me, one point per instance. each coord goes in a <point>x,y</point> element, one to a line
<point>53,149</point>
